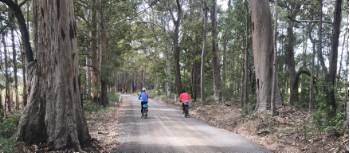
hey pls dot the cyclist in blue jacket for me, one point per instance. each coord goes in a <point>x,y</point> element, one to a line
<point>143,96</point>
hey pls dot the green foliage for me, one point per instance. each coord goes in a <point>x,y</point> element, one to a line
<point>337,122</point>
<point>7,145</point>
<point>8,126</point>
<point>91,107</point>
<point>113,97</point>
<point>324,122</point>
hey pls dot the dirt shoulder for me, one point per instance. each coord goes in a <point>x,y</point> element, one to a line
<point>290,131</point>
<point>103,128</point>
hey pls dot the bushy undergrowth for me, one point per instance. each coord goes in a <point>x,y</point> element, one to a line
<point>8,128</point>
<point>90,106</point>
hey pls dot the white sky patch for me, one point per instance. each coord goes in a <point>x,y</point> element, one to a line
<point>223,4</point>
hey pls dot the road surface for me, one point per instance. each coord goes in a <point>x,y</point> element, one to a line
<point>166,130</point>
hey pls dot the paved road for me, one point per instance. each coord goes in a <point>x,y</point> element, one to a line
<point>166,130</point>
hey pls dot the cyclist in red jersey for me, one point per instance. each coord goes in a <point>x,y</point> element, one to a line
<point>185,99</point>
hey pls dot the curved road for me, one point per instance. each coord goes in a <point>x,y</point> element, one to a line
<point>166,130</point>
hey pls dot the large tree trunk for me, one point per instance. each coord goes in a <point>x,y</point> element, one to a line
<point>54,114</point>
<point>294,96</point>
<point>95,76</point>
<point>244,90</point>
<point>215,59</point>
<point>262,51</point>
<point>103,52</point>
<point>333,57</point>
<point>205,17</point>
<point>177,48</point>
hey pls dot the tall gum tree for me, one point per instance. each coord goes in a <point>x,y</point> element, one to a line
<point>54,113</point>
<point>333,59</point>
<point>262,51</point>
<point>215,58</point>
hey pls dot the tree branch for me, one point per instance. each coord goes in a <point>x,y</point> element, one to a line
<point>22,3</point>
<point>308,21</point>
<point>22,27</point>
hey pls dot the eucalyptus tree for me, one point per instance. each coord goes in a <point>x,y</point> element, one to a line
<point>54,113</point>
<point>263,52</point>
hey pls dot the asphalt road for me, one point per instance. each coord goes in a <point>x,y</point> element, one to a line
<point>167,131</point>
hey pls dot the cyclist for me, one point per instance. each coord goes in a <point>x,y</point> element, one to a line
<point>185,99</point>
<point>143,96</point>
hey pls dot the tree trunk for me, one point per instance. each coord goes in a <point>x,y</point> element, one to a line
<point>224,65</point>
<point>205,17</point>
<point>103,52</point>
<point>24,65</point>
<point>95,76</point>
<point>312,85</point>
<point>333,57</point>
<point>274,69</point>
<point>294,96</point>
<point>104,94</point>
<point>196,77</point>
<point>312,67</point>
<point>7,81</point>
<point>244,90</point>
<point>262,51</point>
<point>215,59</point>
<point>177,47</point>
<point>54,114</point>
<point>24,79</point>
<point>2,108</point>
<point>320,52</point>
<point>14,59</point>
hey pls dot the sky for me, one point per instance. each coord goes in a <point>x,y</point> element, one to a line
<point>222,4</point>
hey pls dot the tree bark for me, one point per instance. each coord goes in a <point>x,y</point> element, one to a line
<point>204,35</point>
<point>196,76</point>
<point>54,114</point>
<point>215,59</point>
<point>320,52</point>
<point>177,48</point>
<point>274,70</point>
<point>244,90</point>
<point>294,96</point>
<point>333,57</point>
<point>2,108</point>
<point>312,83</point>
<point>103,52</point>
<point>263,52</point>
<point>24,65</point>
<point>14,60</point>
<point>95,76</point>
<point>7,81</point>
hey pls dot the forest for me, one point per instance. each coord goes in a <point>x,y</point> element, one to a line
<point>273,71</point>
